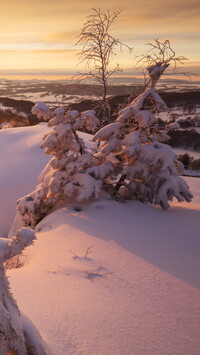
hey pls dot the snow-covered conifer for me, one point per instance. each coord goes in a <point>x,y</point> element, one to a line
<point>14,337</point>
<point>140,165</point>
<point>65,176</point>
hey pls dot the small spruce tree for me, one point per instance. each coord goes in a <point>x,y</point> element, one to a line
<point>65,176</point>
<point>142,166</point>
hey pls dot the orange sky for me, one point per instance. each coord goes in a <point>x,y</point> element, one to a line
<point>41,34</point>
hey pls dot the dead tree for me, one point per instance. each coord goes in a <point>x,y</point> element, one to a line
<point>98,49</point>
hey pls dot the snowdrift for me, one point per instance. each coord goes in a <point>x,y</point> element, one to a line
<point>21,161</point>
<point>111,278</point>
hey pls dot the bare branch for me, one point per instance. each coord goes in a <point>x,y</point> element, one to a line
<point>88,251</point>
<point>158,59</point>
<point>98,49</point>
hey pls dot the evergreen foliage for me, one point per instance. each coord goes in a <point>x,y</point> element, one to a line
<point>66,175</point>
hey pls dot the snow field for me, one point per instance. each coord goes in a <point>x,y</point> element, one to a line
<point>136,293</point>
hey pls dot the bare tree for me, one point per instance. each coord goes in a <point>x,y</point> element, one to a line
<point>160,55</point>
<point>98,48</point>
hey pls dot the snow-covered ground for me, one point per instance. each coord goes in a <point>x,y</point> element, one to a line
<point>137,292</point>
<point>21,160</point>
<point>178,113</point>
<point>49,98</point>
<point>191,153</point>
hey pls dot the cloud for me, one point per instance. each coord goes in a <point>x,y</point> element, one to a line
<point>54,51</point>
<point>49,28</point>
<point>68,17</point>
<point>156,9</point>
<point>38,59</point>
<point>61,37</point>
<point>62,9</point>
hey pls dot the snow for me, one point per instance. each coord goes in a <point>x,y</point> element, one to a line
<point>21,162</point>
<point>5,108</point>
<point>132,138</point>
<point>138,102</point>
<point>178,113</point>
<point>157,151</point>
<point>11,109</point>
<point>156,70</point>
<point>191,153</point>
<point>42,111</point>
<point>46,96</point>
<point>111,130</point>
<point>136,291</point>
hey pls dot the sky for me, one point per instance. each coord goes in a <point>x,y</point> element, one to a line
<point>39,36</point>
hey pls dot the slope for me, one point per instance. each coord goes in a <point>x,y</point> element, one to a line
<point>136,293</point>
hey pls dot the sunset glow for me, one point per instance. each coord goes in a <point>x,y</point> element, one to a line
<point>39,36</point>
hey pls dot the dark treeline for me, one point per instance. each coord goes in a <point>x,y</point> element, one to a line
<point>186,99</point>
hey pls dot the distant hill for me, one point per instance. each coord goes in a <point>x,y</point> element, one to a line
<point>18,111</point>
<point>65,92</point>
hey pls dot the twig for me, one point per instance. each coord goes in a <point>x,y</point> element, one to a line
<point>88,251</point>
